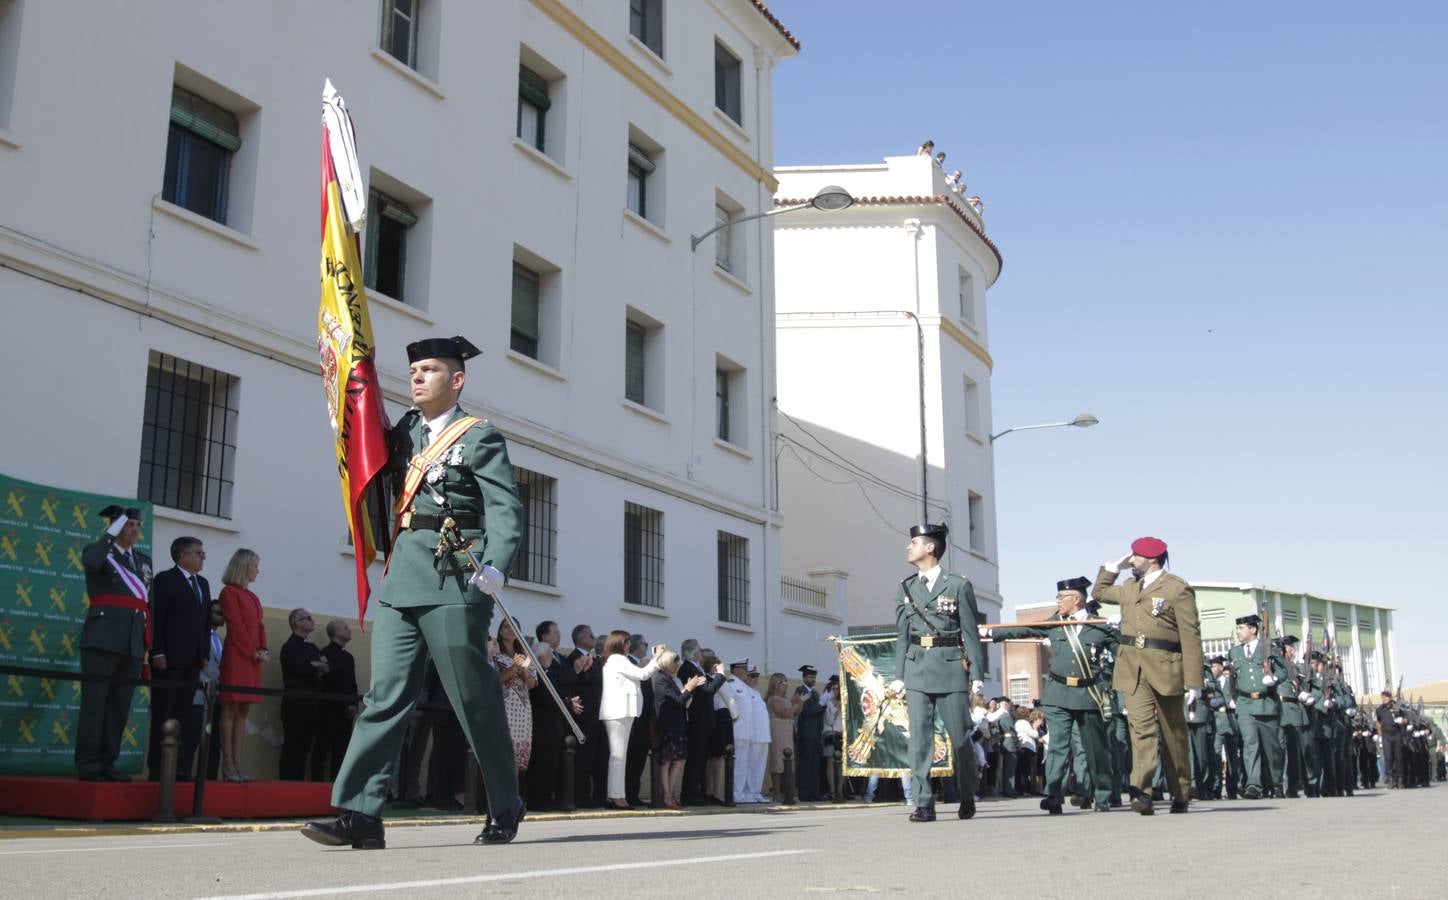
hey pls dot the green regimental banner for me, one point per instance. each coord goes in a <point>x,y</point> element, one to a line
<point>42,605</point>
<point>877,728</point>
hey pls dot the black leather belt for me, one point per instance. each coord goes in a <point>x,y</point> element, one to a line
<point>465,520</point>
<point>931,640</point>
<point>1255,695</point>
<point>1142,642</point>
<point>1071,681</point>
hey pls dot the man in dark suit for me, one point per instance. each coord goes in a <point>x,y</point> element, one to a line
<point>701,723</point>
<point>638,737</point>
<point>180,647</point>
<point>302,670</point>
<point>113,641</point>
<point>584,671</point>
<point>808,736</point>
<point>334,720</point>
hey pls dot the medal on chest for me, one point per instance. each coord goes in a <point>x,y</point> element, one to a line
<point>1158,605</point>
<point>945,604</point>
<point>433,473</point>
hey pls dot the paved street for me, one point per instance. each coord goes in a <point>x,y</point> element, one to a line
<point>1383,844</point>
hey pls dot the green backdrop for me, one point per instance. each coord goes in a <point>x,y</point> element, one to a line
<point>42,605</point>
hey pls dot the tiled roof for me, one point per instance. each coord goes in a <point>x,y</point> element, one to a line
<point>778,25</point>
<point>921,200</point>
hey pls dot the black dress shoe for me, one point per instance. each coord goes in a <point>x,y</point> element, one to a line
<point>1051,806</point>
<point>1142,804</point>
<point>505,827</point>
<point>113,775</point>
<point>1105,807</point>
<point>1252,793</point>
<point>1115,801</point>
<point>923,814</point>
<point>966,810</point>
<point>362,831</point>
<point>1179,806</point>
<point>1080,802</point>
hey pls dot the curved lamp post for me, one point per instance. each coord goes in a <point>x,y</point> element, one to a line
<point>1085,420</point>
<point>830,198</point>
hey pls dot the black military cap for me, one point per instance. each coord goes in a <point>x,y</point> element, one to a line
<point>112,512</point>
<point>808,670</point>
<point>1252,619</point>
<point>456,347</point>
<point>1219,660</point>
<point>1289,640</point>
<point>1073,584</point>
<point>1317,657</point>
<point>930,531</point>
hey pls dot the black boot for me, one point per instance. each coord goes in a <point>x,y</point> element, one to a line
<point>504,828</point>
<point>1051,805</point>
<point>967,809</point>
<point>923,814</point>
<point>362,831</point>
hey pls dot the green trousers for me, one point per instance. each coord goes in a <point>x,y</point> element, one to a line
<point>456,638</point>
<point>1085,730</point>
<point>1296,740</point>
<point>954,710</point>
<point>1260,750</point>
<point>1201,742</point>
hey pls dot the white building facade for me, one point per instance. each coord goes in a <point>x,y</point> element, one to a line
<point>884,381</point>
<point>536,170</point>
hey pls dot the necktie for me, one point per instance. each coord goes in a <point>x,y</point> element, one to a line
<point>130,560</point>
<point>195,588</point>
<point>426,436</point>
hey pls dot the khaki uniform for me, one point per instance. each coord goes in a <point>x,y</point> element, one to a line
<point>1161,641</point>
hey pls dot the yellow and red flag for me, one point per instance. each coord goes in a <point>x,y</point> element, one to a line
<point>344,336</point>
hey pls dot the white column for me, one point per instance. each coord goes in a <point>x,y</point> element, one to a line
<point>1382,656</point>
<point>1357,651</point>
<point>1306,618</point>
<point>1329,623</point>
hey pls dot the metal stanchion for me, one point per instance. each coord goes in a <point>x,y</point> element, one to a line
<point>166,801</point>
<point>566,801</point>
<point>199,769</point>
<point>836,767</point>
<point>787,779</point>
<point>729,775</point>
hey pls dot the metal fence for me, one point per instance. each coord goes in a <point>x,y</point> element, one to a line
<point>802,592</point>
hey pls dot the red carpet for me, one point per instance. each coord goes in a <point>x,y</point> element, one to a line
<point>68,798</point>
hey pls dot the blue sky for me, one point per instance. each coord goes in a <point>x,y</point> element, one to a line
<point>1225,233</point>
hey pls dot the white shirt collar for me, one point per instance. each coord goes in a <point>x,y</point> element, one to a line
<point>1150,577</point>
<point>930,576</point>
<point>1079,615</point>
<point>435,426</point>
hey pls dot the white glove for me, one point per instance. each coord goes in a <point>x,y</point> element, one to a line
<point>1046,642</point>
<point>984,634</point>
<point>1327,704</point>
<point>895,687</point>
<point>1352,711</point>
<point>1232,705</point>
<point>1268,680</point>
<point>1303,696</point>
<point>1192,695</point>
<point>1311,700</point>
<point>488,580</point>
<point>117,525</point>
<point>1116,566</point>
<point>1114,620</point>
<point>1400,720</point>
<point>977,687</point>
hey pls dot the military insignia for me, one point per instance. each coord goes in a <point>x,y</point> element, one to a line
<point>1157,605</point>
<point>946,605</point>
<point>455,458</point>
<point>434,473</point>
<point>1141,642</point>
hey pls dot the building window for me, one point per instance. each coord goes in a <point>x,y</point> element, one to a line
<point>722,218</point>
<point>646,22</point>
<point>721,404</point>
<point>533,106</point>
<point>643,556</point>
<point>188,437</point>
<point>640,167</point>
<point>977,522</point>
<point>729,401</point>
<point>733,578</point>
<point>399,30</point>
<point>1020,690</point>
<point>635,342</point>
<point>727,83</point>
<point>537,556</point>
<point>199,148</point>
<point>388,221</point>
<point>525,311</point>
<point>967,297</point>
<point>972,408</point>
<point>9,56</point>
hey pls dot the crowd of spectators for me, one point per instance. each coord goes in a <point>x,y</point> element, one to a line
<point>954,180</point>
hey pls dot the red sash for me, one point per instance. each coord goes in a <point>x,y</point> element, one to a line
<point>122,601</point>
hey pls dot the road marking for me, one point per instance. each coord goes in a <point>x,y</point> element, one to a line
<point>505,876</point>
<point>89,849</point>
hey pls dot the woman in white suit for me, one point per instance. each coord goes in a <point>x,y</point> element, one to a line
<point>622,702</point>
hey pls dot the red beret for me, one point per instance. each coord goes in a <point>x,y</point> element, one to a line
<point>1149,547</point>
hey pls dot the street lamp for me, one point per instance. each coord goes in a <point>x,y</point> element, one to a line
<point>830,198</point>
<point>1085,420</point>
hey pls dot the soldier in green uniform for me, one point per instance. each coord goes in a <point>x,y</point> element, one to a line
<point>1161,641</point>
<point>1344,710</point>
<point>1258,671</point>
<point>1075,700</point>
<point>1202,734</point>
<point>113,641</point>
<point>1294,717</point>
<point>940,660</point>
<point>1321,763</point>
<point>1228,741</point>
<point>449,465</point>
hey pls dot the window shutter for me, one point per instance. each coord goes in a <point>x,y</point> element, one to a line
<point>206,120</point>
<point>641,159</point>
<point>634,363</point>
<point>533,88</point>
<point>525,302</point>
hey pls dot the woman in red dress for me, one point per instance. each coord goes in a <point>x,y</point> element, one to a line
<point>241,656</point>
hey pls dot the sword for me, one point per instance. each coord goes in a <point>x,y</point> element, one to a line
<point>449,533</point>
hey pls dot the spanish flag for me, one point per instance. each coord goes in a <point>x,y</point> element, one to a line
<point>344,337</point>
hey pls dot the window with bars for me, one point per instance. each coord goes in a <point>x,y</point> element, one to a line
<point>199,148</point>
<point>388,221</point>
<point>646,22</point>
<point>399,30</point>
<point>643,556</point>
<point>727,80</point>
<point>533,104</point>
<point>733,578</point>
<point>188,437</point>
<point>1020,690</point>
<point>525,310</point>
<point>536,559</point>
